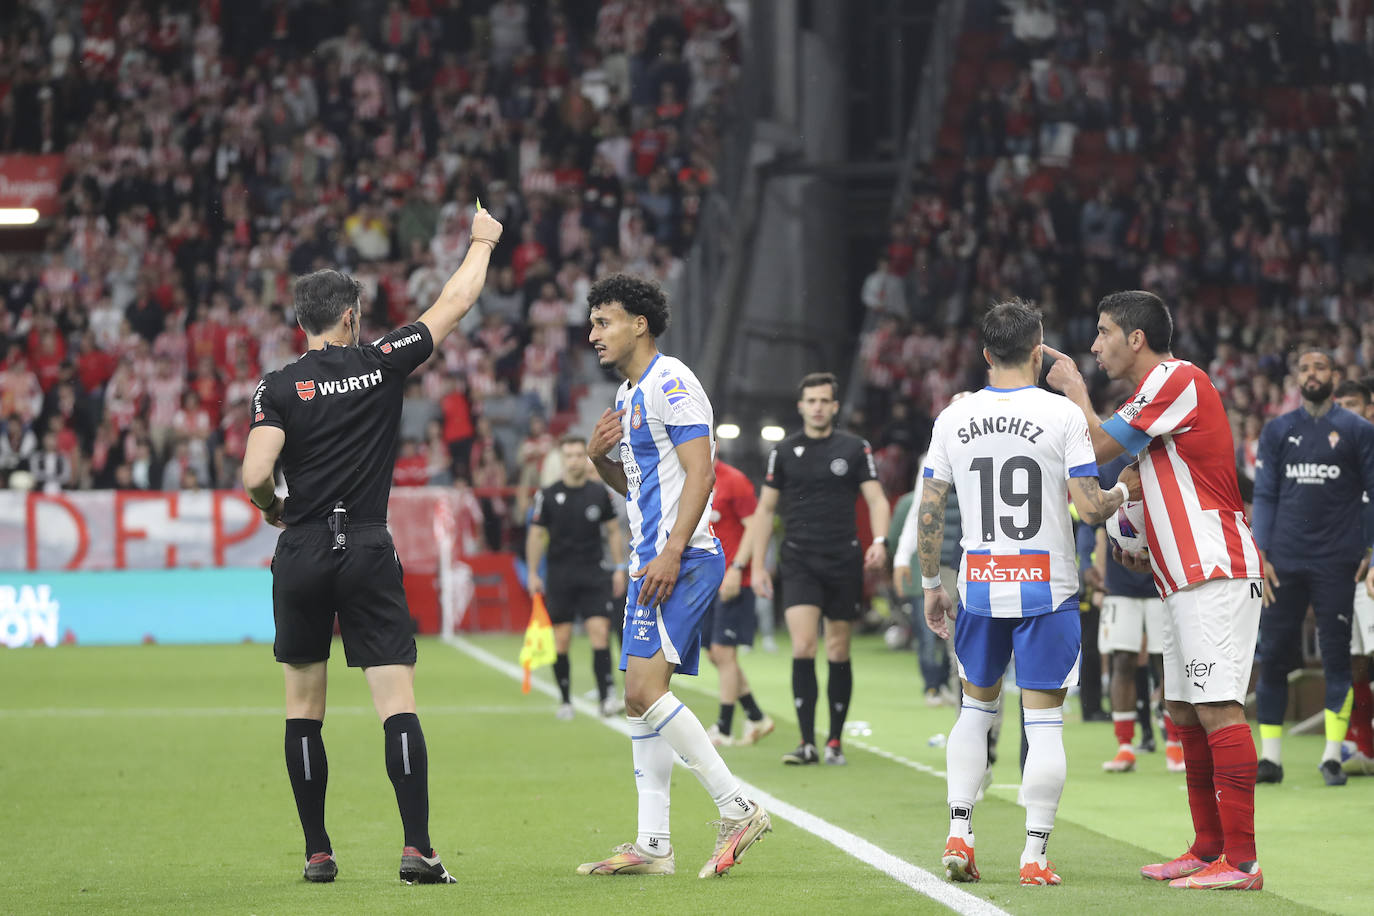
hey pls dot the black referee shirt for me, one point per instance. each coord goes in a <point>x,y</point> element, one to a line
<point>818,483</point>
<point>340,408</point>
<point>573,517</point>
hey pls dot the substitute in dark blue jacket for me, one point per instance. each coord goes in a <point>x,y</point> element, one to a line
<point>1314,465</point>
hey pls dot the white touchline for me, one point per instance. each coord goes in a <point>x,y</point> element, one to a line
<point>914,877</point>
<point>169,712</point>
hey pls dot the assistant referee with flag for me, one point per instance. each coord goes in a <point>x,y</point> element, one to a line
<point>331,417</point>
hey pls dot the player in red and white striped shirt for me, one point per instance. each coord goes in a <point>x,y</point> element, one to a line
<point>1205,566</point>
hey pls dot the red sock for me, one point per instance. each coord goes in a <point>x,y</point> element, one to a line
<point>1361,731</point>
<point>1202,801</point>
<point>1125,729</point>
<point>1233,760</point>
<point>1170,730</point>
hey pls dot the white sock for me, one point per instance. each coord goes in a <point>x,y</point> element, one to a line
<point>966,759</point>
<point>1037,843</point>
<point>683,732</point>
<point>653,760</point>
<point>1272,749</point>
<point>1332,752</point>
<point>1043,779</point>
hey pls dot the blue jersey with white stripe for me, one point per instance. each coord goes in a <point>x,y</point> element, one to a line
<point>663,409</point>
<point>1310,476</point>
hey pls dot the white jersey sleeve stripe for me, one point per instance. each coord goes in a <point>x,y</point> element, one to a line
<point>1170,420</point>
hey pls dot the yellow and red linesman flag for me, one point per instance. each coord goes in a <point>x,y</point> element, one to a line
<point>538,648</point>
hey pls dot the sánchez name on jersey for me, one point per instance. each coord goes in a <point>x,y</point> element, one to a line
<point>987,426</point>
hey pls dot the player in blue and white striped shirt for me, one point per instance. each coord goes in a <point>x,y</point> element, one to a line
<point>656,448</point>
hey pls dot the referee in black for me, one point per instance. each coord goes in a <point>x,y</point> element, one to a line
<point>331,417</point>
<point>567,522</point>
<point>814,480</point>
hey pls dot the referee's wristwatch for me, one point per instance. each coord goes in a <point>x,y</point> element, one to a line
<point>880,539</point>
<point>738,567</point>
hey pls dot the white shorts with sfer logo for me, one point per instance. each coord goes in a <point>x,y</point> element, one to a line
<point>1209,640</point>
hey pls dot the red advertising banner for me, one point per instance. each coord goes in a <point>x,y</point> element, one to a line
<point>31,182</point>
<point>153,529</point>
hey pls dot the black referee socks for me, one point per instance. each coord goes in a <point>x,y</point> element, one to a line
<point>308,768</point>
<point>407,763</point>
<point>804,692</point>
<point>562,673</point>
<point>601,667</point>
<point>839,688</point>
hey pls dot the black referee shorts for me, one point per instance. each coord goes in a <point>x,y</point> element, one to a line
<point>312,582</point>
<point>833,581</point>
<point>573,599</point>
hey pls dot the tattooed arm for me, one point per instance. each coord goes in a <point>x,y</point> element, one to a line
<point>930,534</point>
<point>1094,504</point>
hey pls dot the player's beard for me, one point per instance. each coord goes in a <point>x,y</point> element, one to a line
<point>1318,394</point>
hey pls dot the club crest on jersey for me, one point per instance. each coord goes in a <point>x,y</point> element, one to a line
<point>798,450</point>
<point>637,418</point>
<point>560,498</point>
<point>985,567</point>
<point>839,467</point>
<point>1333,437</point>
<point>593,513</point>
<point>305,390</point>
<point>385,348</point>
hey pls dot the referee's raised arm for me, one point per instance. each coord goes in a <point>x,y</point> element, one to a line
<point>462,289</point>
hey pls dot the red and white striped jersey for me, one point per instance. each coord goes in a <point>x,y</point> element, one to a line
<point>1194,519</point>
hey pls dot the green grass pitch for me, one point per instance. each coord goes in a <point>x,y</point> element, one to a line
<point>149,779</point>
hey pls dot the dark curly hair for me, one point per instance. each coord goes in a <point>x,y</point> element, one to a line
<point>636,295</point>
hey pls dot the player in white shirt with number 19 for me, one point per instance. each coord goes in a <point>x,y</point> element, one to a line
<point>1014,453</point>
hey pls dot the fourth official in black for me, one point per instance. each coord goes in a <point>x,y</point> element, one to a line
<point>814,480</point>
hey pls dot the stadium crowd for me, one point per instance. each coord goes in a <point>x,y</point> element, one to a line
<point>206,167</point>
<point>1208,151</point>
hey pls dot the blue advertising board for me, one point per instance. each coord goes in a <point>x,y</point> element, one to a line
<point>133,606</point>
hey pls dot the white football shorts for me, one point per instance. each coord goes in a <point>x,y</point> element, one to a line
<point>1362,628</point>
<point>1125,620</point>
<point>1209,640</point>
